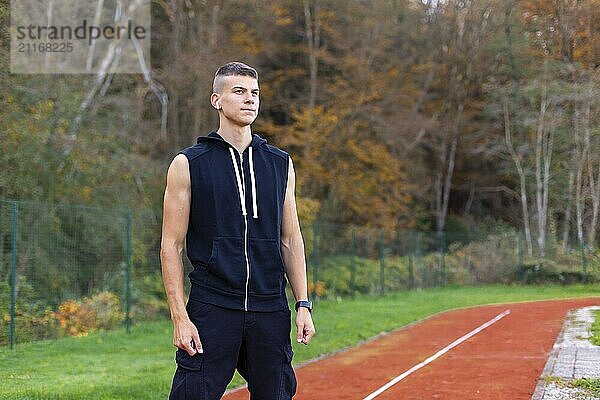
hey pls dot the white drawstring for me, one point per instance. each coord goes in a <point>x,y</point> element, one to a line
<point>239,181</point>
<point>253,180</point>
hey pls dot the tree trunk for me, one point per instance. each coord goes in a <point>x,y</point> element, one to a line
<point>439,179</point>
<point>542,159</point>
<point>593,181</point>
<point>451,158</point>
<point>580,155</point>
<point>108,61</point>
<point>214,23</point>
<point>522,178</point>
<point>595,194</point>
<point>312,27</point>
<point>567,221</point>
<point>312,31</point>
<point>97,16</point>
<point>4,275</point>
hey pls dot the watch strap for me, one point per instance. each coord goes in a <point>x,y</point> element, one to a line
<point>305,304</point>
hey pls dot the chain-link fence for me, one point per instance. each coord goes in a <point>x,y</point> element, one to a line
<point>69,270</point>
<point>346,260</point>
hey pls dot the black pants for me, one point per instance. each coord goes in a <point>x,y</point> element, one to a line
<point>256,343</point>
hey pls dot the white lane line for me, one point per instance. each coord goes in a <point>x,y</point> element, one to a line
<point>436,355</point>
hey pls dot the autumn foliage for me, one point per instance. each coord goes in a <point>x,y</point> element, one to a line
<point>80,317</point>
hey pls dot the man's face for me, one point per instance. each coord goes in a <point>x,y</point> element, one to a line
<point>239,99</point>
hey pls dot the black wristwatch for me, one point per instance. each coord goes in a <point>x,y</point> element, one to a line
<point>305,304</point>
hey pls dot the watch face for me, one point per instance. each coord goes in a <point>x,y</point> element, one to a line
<point>304,303</point>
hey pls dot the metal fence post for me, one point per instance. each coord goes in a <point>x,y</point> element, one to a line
<point>315,259</point>
<point>13,273</point>
<point>382,263</point>
<point>417,257</point>
<point>128,271</point>
<point>442,237</point>
<point>353,261</point>
<point>411,272</point>
<point>521,256</point>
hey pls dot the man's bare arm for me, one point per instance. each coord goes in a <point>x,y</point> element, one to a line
<point>292,251</point>
<point>176,211</point>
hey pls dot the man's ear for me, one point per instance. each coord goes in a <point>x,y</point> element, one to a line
<point>217,102</point>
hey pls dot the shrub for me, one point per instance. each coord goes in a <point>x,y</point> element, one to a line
<point>547,272</point>
<point>318,288</point>
<point>107,309</point>
<point>78,318</point>
<point>33,317</point>
<point>149,300</point>
<point>491,260</point>
<point>75,318</point>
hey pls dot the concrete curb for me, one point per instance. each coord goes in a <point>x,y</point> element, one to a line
<point>540,388</point>
<point>572,357</point>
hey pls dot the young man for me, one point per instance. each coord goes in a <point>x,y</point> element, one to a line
<point>231,198</point>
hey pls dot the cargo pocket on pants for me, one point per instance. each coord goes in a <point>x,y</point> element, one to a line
<point>188,382</point>
<point>288,378</point>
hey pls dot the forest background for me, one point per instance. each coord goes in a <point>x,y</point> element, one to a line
<point>456,116</point>
<point>477,118</point>
<point>397,113</point>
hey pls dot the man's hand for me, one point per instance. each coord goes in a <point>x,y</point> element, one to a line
<point>304,324</point>
<point>185,337</point>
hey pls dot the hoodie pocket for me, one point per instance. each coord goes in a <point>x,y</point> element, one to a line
<point>226,263</point>
<point>266,273</point>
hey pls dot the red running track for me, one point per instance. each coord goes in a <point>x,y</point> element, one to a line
<point>503,361</point>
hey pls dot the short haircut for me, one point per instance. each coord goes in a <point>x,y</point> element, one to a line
<point>232,69</point>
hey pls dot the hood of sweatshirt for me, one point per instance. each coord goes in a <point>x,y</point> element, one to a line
<point>214,137</point>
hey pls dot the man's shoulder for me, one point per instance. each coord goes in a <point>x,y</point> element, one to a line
<point>276,151</point>
<point>195,151</point>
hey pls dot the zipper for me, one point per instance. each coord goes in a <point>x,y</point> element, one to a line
<point>245,236</point>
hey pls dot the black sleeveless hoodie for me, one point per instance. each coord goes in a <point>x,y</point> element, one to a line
<point>233,237</point>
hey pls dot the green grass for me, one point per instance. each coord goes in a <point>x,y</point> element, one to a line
<point>596,329</point>
<point>113,365</point>
<point>589,387</point>
<point>592,386</point>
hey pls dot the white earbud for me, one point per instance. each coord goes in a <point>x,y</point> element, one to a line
<point>218,105</point>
